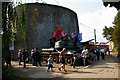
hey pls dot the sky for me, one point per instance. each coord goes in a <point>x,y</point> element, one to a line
<point>92,14</point>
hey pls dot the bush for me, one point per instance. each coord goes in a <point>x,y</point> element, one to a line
<point>115,52</point>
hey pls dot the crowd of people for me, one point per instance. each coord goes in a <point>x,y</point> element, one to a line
<point>93,54</point>
<point>86,54</point>
<point>36,57</point>
<point>23,55</point>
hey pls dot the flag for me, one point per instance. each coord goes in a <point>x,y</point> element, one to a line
<point>57,32</point>
<point>79,37</point>
<point>73,34</point>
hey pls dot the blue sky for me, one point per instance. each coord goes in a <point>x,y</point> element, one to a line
<point>91,15</point>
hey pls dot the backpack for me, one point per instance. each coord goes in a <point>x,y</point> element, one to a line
<point>19,54</point>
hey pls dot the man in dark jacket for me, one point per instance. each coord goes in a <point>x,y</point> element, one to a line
<point>38,57</point>
<point>8,60</point>
<point>98,54</point>
<point>24,57</point>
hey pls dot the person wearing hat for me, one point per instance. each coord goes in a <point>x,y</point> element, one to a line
<point>84,54</point>
<point>62,56</point>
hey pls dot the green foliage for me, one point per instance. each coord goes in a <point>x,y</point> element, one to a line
<point>35,13</point>
<point>116,33</point>
<point>7,36</point>
<point>12,37</point>
<point>107,33</point>
<point>117,19</point>
<point>20,12</point>
<point>113,34</point>
<point>115,52</point>
<point>20,22</point>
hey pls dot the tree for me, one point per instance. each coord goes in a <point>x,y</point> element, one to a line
<point>116,33</point>
<point>107,33</point>
<point>7,36</point>
<point>111,4</point>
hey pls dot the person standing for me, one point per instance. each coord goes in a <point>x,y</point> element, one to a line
<point>103,54</point>
<point>38,57</point>
<point>24,57</point>
<point>19,56</point>
<point>50,64</point>
<point>27,56</point>
<point>98,54</point>
<point>32,57</point>
<point>75,59</point>
<point>8,60</point>
<point>84,54</point>
<point>62,56</point>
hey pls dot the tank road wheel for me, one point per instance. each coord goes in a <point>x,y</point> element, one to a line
<point>56,59</point>
<point>68,60</point>
<point>44,59</point>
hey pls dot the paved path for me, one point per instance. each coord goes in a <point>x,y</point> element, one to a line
<point>100,69</point>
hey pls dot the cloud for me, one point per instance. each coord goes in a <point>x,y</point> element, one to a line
<point>96,20</point>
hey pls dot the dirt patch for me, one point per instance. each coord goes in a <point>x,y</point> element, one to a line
<point>100,69</point>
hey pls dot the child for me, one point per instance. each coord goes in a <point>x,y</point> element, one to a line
<point>50,64</point>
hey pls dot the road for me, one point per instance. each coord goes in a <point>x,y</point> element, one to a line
<point>107,68</point>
